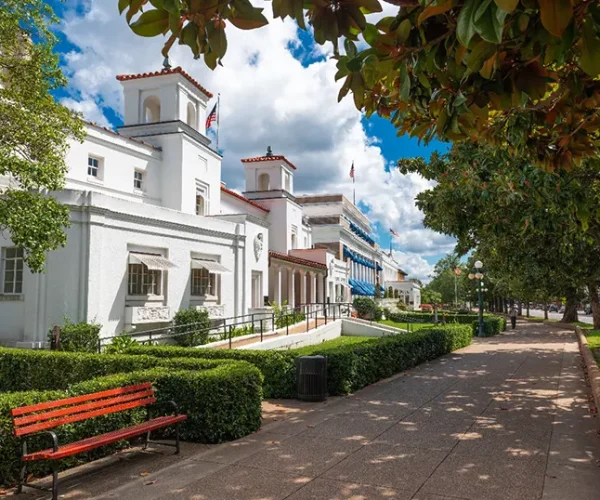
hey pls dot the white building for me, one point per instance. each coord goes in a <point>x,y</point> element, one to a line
<point>394,280</point>
<point>147,234</point>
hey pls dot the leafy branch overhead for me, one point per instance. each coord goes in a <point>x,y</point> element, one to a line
<point>520,74</point>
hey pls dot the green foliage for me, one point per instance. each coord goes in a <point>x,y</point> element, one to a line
<point>120,344</point>
<point>367,308</point>
<point>277,367</point>
<point>25,369</point>
<point>237,332</point>
<point>78,337</point>
<point>222,403</point>
<point>34,129</point>
<point>191,326</point>
<point>285,317</point>
<point>430,296</point>
<point>521,75</point>
<point>492,325</point>
<point>352,367</point>
<point>352,364</point>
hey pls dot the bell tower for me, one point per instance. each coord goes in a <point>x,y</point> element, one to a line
<point>269,173</point>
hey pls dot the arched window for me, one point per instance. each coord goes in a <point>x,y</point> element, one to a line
<point>200,205</point>
<point>191,115</point>
<point>152,109</point>
<point>264,182</point>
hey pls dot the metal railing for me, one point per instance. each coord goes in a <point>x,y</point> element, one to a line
<point>228,329</point>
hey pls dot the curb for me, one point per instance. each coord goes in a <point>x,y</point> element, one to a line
<point>590,363</point>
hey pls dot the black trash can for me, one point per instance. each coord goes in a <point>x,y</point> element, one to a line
<point>311,378</point>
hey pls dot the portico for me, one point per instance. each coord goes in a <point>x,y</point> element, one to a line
<point>296,281</point>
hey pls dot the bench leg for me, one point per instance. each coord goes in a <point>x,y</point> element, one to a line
<point>177,449</point>
<point>145,447</point>
<point>55,481</point>
<point>22,478</point>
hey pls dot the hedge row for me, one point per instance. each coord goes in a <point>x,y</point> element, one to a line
<point>222,403</point>
<point>277,367</point>
<point>428,317</point>
<point>492,325</point>
<point>349,367</point>
<point>26,369</point>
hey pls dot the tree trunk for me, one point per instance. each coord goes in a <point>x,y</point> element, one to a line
<point>546,311</point>
<point>593,290</point>
<point>528,309</point>
<point>520,308</point>
<point>570,315</point>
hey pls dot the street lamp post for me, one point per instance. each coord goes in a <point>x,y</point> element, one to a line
<point>478,275</point>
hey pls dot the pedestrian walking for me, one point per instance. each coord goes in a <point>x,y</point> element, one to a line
<point>513,316</point>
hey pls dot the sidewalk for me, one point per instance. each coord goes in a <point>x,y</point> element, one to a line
<point>506,418</point>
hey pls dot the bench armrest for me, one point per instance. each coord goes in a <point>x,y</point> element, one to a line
<point>52,434</point>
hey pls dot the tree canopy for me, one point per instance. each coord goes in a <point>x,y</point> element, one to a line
<point>34,129</point>
<point>522,74</point>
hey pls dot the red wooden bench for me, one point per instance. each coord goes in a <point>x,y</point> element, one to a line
<point>39,418</point>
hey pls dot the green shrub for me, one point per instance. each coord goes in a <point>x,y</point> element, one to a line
<point>367,308</point>
<point>350,366</point>
<point>194,321</point>
<point>120,344</point>
<point>492,325</point>
<point>277,367</point>
<point>222,403</point>
<point>78,337</point>
<point>26,369</point>
<point>285,317</point>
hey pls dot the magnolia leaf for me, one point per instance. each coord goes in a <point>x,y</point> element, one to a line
<point>590,51</point>
<point>481,9</point>
<point>404,31</point>
<point>491,24</point>
<point>507,5</point>
<point>556,15</point>
<point>350,48</point>
<point>465,28</point>
<point>367,6</point>
<point>404,83</point>
<point>435,10</point>
<point>217,38</point>
<point>151,23</point>
<point>487,70</point>
<point>523,22</point>
<point>345,87</point>
<point>481,52</point>
<point>371,34</point>
<point>123,4</point>
<point>358,90</point>
<point>369,70</point>
<point>188,37</point>
<point>248,20</point>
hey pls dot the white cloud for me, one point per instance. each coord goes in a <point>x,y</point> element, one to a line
<point>268,97</point>
<point>413,264</point>
<point>88,108</point>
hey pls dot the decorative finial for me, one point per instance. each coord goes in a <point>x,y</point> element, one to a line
<point>166,63</point>
<point>269,151</point>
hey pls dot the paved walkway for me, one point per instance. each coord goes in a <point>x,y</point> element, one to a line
<point>506,418</point>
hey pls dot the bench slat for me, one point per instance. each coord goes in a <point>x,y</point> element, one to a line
<point>49,415</point>
<point>104,439</point>
<point>23,410</point>
<point>29,429</point>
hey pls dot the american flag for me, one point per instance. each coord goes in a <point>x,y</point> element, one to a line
<point>394,233</point>
<point>211,117</point>
<point>352,171</point>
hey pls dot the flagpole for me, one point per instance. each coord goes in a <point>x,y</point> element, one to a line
<point>218,118</point>
<point>354,189</point>
<point>391,239</point>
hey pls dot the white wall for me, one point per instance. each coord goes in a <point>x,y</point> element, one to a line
<point>329,331</point>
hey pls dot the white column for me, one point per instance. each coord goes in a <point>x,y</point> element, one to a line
<point>277,285</point>
<point>320,285</point>
<point>313,289</point>
<point>291,288</point>
<point>303,287</point>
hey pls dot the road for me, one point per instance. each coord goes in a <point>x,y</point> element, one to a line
<point>539,313</point>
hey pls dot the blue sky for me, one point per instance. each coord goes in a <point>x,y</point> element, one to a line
<point>277,88</point>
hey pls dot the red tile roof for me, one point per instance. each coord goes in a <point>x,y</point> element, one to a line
<point>296,260</point>
<point>268,158</point>
<point>173,71</point>
<point>243,198</point>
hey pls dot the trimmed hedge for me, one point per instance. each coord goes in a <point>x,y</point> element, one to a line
<point>222,403</point>
<point>277,367</point>
<point>492,325</point>
<point>26,369</point>
<point>428,317</point>
<point>349,367</point>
